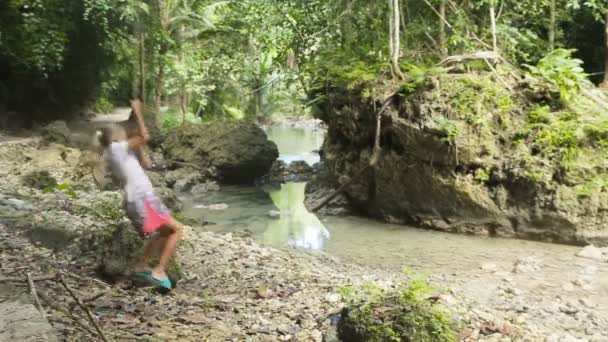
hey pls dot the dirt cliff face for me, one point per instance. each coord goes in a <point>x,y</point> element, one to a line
<point>474,154</point>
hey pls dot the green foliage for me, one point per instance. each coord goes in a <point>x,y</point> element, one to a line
<point>40,180</point>
<point>449,130</point>
<point>559,137</point>
<point>334,70</point>
<point>418,76</point>
<point>64,188</point>
<point>172,119</point>
<point>482,175</point>
<point>540,115</point>
<point>403,314</point>
<point>109,211</point>
<point>563,72</point>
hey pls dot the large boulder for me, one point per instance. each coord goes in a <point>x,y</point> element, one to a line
<point>56,132</point>
<point>238,152</point>
<point>465,153</point>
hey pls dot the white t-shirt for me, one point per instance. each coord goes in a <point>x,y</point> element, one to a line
<point>126,166</point>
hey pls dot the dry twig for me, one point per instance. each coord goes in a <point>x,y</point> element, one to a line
<point>21,279</point>
<point>84,308</point>
<point>30,281</point>
<point>57,307</point>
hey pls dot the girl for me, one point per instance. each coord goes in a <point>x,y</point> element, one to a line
<point>144,208</point>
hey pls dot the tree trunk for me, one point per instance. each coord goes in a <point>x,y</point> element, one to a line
<point>493,19</point>
<point>395,25</point>
<point>142,67</point>
<point>606,51</point>
<point>391,30</point>
<point>552,27</point>
<point>442,40</point>
<point>160,80</point>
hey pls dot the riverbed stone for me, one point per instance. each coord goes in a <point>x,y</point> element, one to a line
<point>23,322</point>
<point>239,151</point>
<point>204,188</point>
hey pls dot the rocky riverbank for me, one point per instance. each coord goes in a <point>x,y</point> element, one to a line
<point>462,152</point>
<point>230,288</point>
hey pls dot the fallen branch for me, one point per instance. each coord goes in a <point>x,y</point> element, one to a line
<point>84,308</point>
<point>98,282</point>
<point>57,307</point>
<point>482,55</point>
<point>498,75</point>
<point>21,279</point>
<point>35,295</point>
<point>95,297</point>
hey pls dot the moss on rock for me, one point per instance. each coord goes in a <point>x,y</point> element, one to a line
<point>39,180</point>
<point>403,314</point>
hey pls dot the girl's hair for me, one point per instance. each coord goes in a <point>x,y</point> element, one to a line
<point>104,136</point>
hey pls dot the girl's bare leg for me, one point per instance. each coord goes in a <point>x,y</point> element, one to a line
<point>152,248</point>
<point>173,231</point>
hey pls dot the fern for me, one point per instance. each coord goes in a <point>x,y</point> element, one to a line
<point>563,72</point>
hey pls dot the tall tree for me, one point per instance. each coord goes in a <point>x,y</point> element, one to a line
<point>552,24</point>
<point>395,37</point>
<point>493,22</point>
<point>442,40</point>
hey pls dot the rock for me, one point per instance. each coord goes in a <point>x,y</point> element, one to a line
<point>239,151</point>
<point>57,132</point>
<point>186,183</point>
<point>169,198</point>
<point>219,206</point>
<point>385,318</point>
<point>568,287</point>
<point>527,264</point>
<point>333,298</point>
<point>464,170</point>
<point>488,266</point>
<point>296,171</point>
<point>208,186</point>
<point>23,322</point>
<point>594,253</point>
<point>171,177</point>
<point>14,203</point>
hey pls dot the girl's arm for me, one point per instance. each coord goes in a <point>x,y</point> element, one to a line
<point>137,141</point>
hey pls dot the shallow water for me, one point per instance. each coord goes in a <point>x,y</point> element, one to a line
<point>276,216</point>
<point>296,143</point>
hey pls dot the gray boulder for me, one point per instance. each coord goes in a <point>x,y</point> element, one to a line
<point>238,152</point>
<point>56,132</point>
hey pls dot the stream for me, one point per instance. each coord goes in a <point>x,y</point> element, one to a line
<point>476,267</point>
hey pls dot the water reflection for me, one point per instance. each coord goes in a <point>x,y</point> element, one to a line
<point>297,143</point>
<point>293,224</point>
<point>276,216</point>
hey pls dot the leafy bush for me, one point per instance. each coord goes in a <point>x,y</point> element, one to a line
<point>418,75</point>
<point>172,119</point>
<point>39,180</point>
<point>403,314</point>
<point>562,71</point>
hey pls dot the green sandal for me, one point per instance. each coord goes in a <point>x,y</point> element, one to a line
<point>161,283</point>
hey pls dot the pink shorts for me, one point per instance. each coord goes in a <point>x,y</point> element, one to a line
<point>147,213</point>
